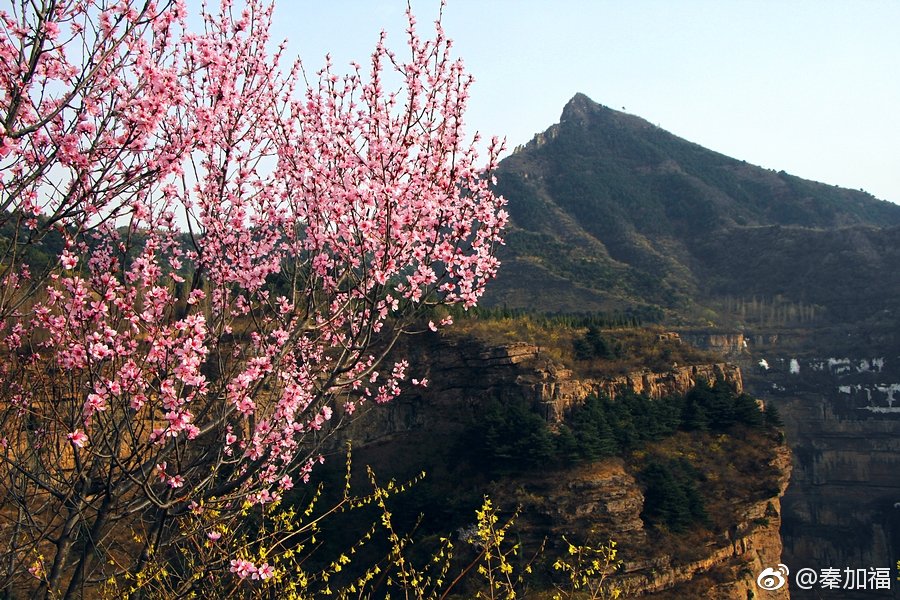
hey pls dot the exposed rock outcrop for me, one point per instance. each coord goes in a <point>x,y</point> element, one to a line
<point>732,563</point>
<point>605,499</point>
<point>732,345</point>
<point>560,391</point>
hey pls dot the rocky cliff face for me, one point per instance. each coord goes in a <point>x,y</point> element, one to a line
<point>842,420</point>
<point>732,345</point>
<point>462,370</point>
<point>603,497</point>
<point>558,391</point>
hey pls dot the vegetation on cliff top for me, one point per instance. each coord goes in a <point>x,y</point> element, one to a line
<point>591,344</point>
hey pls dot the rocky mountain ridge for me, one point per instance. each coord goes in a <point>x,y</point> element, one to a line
<point>609,212</point>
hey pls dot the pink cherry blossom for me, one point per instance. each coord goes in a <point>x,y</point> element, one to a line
<point>68,260</point>
<point>78,438</point>
<point>264,571</point>
<point>243,568</point>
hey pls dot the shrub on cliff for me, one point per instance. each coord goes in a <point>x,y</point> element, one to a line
<point>718,407</point>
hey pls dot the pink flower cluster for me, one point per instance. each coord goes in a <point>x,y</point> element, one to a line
<point>236,254</point>
<point>245,568</point>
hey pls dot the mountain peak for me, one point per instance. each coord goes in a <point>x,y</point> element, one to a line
<point>578,108</point>
<point>581,111</point>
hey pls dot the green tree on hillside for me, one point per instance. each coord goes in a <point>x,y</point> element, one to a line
<point>671,497</point>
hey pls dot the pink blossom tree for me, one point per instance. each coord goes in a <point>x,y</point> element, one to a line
<point>234,248</point>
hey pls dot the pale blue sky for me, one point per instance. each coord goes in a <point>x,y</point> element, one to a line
<point>811,87</point>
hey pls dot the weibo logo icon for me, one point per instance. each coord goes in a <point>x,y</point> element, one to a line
<point>771,579</point>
